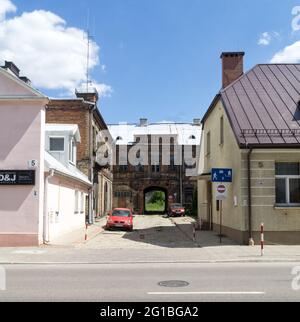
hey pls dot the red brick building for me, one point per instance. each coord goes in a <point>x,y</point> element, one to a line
<point>84,112</point>
<point>132,182</point>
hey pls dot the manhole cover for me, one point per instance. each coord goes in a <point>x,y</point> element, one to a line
<point>173,284</point>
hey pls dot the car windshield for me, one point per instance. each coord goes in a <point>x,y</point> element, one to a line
<point>121,213</point>
<point>176,206</point>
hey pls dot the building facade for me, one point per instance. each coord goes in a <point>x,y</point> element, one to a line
<point>253,128</point>
<point>84,111</point>
<point>150,157</point>
<point>66,188</point>
<point>22,137</point>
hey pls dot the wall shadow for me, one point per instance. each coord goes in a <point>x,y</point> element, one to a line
<point>13,126</point>
<point>12,198</point>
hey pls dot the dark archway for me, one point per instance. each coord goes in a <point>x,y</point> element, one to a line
<point>155,200</point>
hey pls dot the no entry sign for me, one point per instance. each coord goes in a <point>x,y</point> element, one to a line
<point>221,191</point>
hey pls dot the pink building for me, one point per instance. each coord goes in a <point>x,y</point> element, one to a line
<point>22,145</point>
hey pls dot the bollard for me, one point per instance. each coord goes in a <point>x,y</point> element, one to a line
<point>262,239</point>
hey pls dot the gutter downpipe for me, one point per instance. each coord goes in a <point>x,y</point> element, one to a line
<point>46,239</point>
<point>251,240</point>
<point>91,195</point>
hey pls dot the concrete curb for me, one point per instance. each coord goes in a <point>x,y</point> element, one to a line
<point>229,261</point>
<point>93,235</point>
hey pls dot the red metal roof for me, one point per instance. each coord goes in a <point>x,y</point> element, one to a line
<point>263,106</point>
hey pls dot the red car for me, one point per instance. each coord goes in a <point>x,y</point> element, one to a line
<point>176,210</point>
<point>120,218</point>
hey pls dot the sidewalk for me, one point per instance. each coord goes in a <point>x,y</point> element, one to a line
<point>212,254</point>
<point>206,249</point>
<point>79,236</point>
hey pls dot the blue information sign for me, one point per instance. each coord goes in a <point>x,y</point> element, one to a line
<point>221,175</point>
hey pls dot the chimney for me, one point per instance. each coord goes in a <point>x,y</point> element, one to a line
<point>89,96</point>
<point>197,122</point>
<point>25,80</point>
<point>12,67</point>
<point>143,122</point>
<point>232,67</point>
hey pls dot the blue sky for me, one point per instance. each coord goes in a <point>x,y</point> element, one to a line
<point>162,57</point>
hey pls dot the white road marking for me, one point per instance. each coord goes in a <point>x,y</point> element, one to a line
<point>29,252</point>
<point>206,293</point>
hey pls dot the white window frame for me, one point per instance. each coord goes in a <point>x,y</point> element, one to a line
<point>82,198</point>
<point>57,137</point>
<point>72,151</point>
<point>77,201</point>
<point>287,190</point>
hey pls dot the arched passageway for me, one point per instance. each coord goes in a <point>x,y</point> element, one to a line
<point>155,200</point>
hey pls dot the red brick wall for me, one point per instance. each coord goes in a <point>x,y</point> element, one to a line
<point>79,117</point>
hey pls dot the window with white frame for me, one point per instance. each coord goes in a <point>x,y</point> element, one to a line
<point>72,151</point>
<point>82,203</point>
<point>288,184</point>
<point>57,144</point>
<point>77,200</point>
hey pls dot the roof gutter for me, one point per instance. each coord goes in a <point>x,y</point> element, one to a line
<point>55,171</point>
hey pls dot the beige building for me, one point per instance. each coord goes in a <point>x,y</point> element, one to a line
<point>253,128</point>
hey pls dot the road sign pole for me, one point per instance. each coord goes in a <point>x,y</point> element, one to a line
<point>221,220</point>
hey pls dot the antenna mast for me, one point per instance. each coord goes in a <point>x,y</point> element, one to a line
<point>89,38</point>
<point>88,61</point>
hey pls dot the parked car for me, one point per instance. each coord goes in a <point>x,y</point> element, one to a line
<point>176,210</point>
<point>120,218</point>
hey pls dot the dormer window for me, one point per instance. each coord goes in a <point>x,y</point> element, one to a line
<point>192,137</point>
<point>119,138</point>
<point>57,144</point>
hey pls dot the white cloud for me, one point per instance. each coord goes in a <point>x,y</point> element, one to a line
<point>103,89</point>
<point>46,50</point>
<point>267,37</point>
<point>6,6</point>
<point>290,54</point>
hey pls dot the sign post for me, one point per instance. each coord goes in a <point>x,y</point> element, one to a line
<point>221,220</point>
<point>221,177</point>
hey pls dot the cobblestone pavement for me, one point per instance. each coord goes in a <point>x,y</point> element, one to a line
<point>149,232</point>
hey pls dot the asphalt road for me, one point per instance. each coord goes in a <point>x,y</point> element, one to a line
<point>139,282</point>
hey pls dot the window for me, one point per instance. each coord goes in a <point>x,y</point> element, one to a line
<point>82,203</point>
<point>123,194</point>
<point>155,168</point>
<point>222,130</point>
<point>123,168</point>
<point>139,168</point>
<point>72,151</point>
<point>189,195</point>
<point>57,144</point>
<point>288,184</point>
<point>76,202</point>
<point>172,163</point>
<point>208,144</point>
